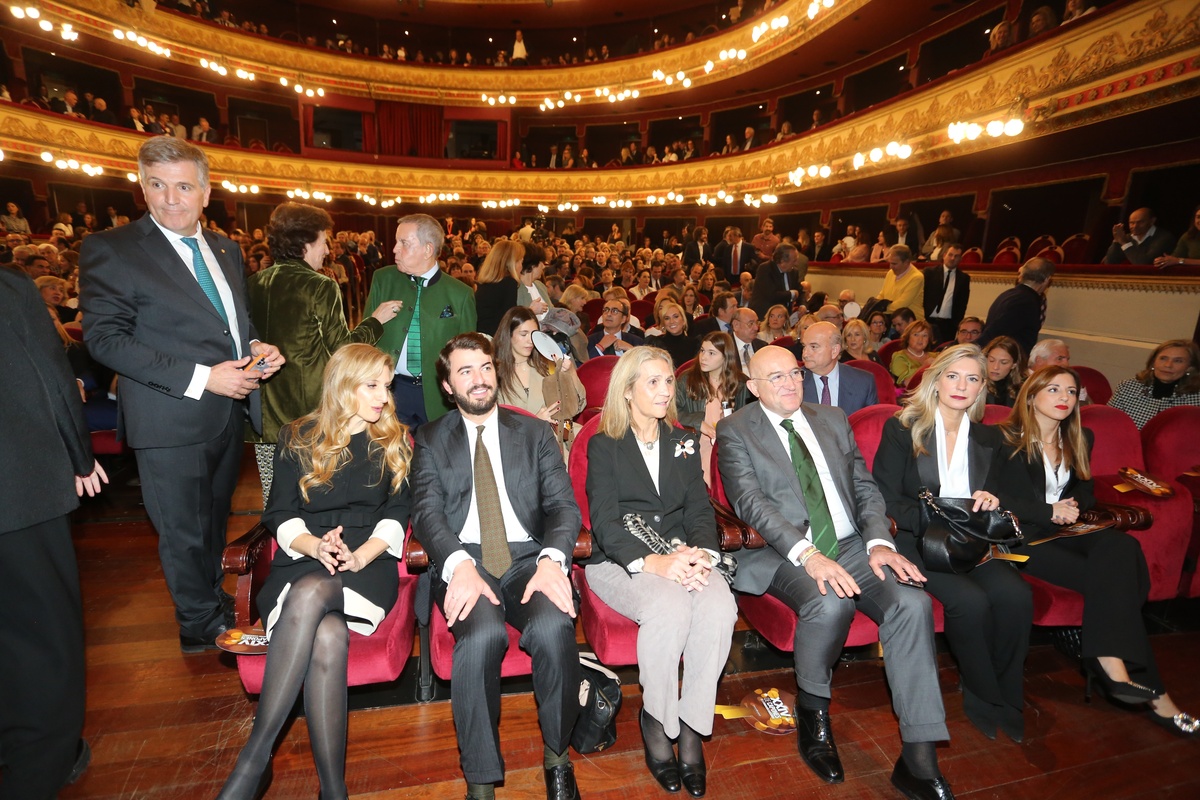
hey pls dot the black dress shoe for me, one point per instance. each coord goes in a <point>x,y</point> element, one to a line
<point>695,778</point>
<point>83,757</point>
<point>983,715</point>
<point>916,788</point>
<point>198,644</point>
<point>226,601</point>
<point>560,783</point>
<point>665,771</point>
<point>814,732</point>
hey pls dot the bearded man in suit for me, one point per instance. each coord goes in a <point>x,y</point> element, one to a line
<point>164,305</point>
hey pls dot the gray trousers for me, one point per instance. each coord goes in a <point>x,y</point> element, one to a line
<point>905,619</point>
<point>673,623</point>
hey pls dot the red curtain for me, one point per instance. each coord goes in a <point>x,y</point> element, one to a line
<point>307,124</point>
<point>409,129</point>
<point>368,129</point>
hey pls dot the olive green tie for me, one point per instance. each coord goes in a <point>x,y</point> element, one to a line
<point>493,540</point>
<point>823,535</point>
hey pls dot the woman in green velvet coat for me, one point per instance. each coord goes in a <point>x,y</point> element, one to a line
<point>299,310</point>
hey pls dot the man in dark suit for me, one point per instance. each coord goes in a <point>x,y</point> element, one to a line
<point>1142,243</point>
<point>44,440</point>
<point>744,328</point>
<point>748,140</point>
<point>201,132</point>
<point>697,250</point>
<point>1018,312</point>
<point>493,507</point>
<point>947,292</point>
<point>720,317</point>
<point>822,250</point>
<point>778,280</point>
<point>794,473</point>
<point>165,307</point>
<point>67,104</point>
<point>901,233</point>
<point>612,339</point>
<point>829,382</point>
<point>737,257</point>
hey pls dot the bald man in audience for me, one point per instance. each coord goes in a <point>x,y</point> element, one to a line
<point>826,380</point>
<point>1141,243</point>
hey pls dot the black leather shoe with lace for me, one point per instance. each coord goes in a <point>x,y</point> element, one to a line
<point>560,783</point>
<point>815,740</point>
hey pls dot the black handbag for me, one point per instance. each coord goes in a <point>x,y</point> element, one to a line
<point>725,566</point>
<point>599,701</point>
<point>955,539</point>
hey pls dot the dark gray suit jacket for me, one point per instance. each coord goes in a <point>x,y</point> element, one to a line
<point>762,486</point>
<point>856,388</point>
<point>146,317</point>
<point>535,478</point>
<point>1145,253</point>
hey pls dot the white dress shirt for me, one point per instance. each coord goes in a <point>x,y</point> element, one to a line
<point>512,523</point>
<point>947,304</point>
<point>954,472</point>
<point>195,389</point>
<point>835,384</point>
<point>843,525</point>
<point>1056,479</point>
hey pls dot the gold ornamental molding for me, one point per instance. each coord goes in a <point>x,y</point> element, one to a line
<point>1099,276</point>
<point>1138,57</point>
<point>190,40</point>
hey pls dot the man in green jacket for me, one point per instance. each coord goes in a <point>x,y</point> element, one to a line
<point>446,308</point>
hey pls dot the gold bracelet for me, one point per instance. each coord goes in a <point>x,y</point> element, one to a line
<point>807,554</point>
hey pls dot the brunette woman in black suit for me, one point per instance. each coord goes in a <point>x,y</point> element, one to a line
<point>1048,485</point>
<point>937,442</point>
<point>639,463</point>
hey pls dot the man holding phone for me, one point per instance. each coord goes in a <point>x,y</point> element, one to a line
<point>165,306</point>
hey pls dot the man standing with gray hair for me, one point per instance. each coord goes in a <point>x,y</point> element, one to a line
<point>164,306</point>
<point>1019,312</point>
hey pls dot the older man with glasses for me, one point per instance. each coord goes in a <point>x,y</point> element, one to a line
<point>612,339</point>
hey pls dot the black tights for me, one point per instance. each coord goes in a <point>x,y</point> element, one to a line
<point>309,645</point>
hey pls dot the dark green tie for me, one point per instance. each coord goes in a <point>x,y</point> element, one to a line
<point>823,535</point>
<point>207,284</point>
<point>414,334</point>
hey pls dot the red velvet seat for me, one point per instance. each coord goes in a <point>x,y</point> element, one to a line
<point>1010,241</point>
<point>915,380</point>
<point>1007,255</point>
<point>1075,248</point>
<point>784,341</point>
<point>993,413</point>
<point>106,443</point>
<point>1098,388</point>
<point>684,367</point>
<point>594,374</point>
<point>644,311</point>
<point>1165,457</point>
<point>1165,543</point>
<point>885,353</point>
<point>972,255</point>
<point>1052,253</point>
<point>867,424</point>
<point>594,310</point>
<point>378,658</point>
<point>885,384</point>
<point>1038,244</point>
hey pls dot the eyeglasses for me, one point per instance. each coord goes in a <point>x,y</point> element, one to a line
<point>779,378</point>
<point>613,310</point>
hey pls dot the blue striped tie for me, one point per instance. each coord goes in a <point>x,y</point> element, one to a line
<point>205,279</point>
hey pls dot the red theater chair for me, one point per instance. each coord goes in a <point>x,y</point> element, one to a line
<point>1007,255</point>
<point>1054,254</point>
<point>885,384</point>
<point>1075,248</point>
<point>885,353</point>
<point>594,310</point>
<point>1166,458</point>
<point>1165,543</point>
<point>972,255</point>
<point>784,341</point>
<point>1039,244</point>
<point>1098,388</point>
<point>644,311</point>
<point>378,658</point>
<point>1010,241</point>
<point>684,367</point>
<point>993,413</point>
<point>595,374</point>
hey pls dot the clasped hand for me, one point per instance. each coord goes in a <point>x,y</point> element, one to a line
<point>229,378</point>
<point>335,555</point>
<point>687,566</point>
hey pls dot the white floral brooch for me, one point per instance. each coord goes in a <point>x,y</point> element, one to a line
<point>685,448</point>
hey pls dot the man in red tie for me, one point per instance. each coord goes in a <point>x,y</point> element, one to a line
<point>826,380</point>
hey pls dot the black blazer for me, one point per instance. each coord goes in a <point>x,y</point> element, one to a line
<point>901,476</point>
<point>618,483</point>
<point>492,301</point>
<point>1022,490</point>
<point>958,300</point>
<point>44,431</point>
<point>1017,312</point>
<point>535,478</point>
<point>769,289</point>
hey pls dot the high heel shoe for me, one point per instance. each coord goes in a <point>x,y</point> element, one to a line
<point>694,773</point>
<point>1181,724</point>
<point>982,714</point>
<point>666,770</point>
<point>232,791</point>
<point>1125,692</point>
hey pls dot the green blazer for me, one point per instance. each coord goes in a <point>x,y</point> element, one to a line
<point>447,309</point>
<point>299,310</point>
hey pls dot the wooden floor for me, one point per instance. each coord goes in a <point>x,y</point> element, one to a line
<point>164,725</point>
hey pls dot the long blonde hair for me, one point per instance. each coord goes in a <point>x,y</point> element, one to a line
<point>503,260</point>
<point>615,418</point>
<point>321,440</point>
<point>920,408</point>
<point>1022,432</point>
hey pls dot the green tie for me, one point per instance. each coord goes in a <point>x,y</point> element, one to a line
<point>205,279</point>
<point>414,333</point>
<point>823,535</point>
<point>493,540</point>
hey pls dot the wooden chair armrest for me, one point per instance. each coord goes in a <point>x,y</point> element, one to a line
<point>416,559</point>
<point>239,556</point>
<point>730,529</point>
<point>1123,518</point>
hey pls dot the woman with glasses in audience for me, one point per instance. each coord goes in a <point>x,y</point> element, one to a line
<point>1048,486</point>
<point>639,463</point>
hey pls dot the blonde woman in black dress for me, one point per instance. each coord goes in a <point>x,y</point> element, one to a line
<point>339,507</point>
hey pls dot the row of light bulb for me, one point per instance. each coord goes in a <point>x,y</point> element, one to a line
<point>876,154</point>
<point>31,12</point>
<point>814,7</point>
<point>506,203</point>
<point>240,188</point>
<point>549,104</point>
<point>671,196</point>
<point>70,163</point>
<point>502,99</point>
<point>957,131</point>
<point>304,194</point>
<point>300,89</point>
<point>133,37</point>
<point>761,29</point>
<point>679,76</point>
<point>442,197</point>
<point>813,171</point>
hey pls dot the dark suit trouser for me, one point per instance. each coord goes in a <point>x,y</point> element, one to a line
<point>905,619</point>
<point>1109,569</point>
<point>188,492</point>
<point>42,666</point>
<point>480,641</point>
<point>989,615</point>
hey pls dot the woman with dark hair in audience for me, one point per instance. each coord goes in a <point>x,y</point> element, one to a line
<point>523,375</point>
<point>674,337</point>
<point>877,329</point>
<point>1048,486</point>
<point>643,287</point>
<point>300,310</point>
<point>14,220</point>
<point>338,510</point>
<point>1005,370</point>
<point>915,354</point>
<point>532,293</point>
<point>496,284</point>
<point>1171,378</point>
<point>638,463</point>
<point>693,306</point>
<point>708,281</point>
<point>1187,250</point>
<point>938,442</point>
<point>713,388</point>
